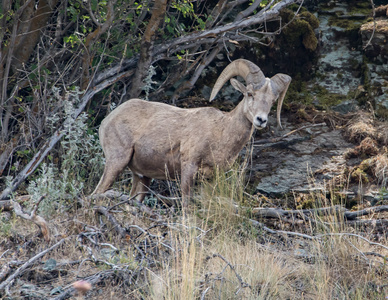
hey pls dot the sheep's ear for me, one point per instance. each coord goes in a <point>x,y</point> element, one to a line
<point>279,84</point>
<point>238,86</point>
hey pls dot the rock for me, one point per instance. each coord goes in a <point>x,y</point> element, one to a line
<point>50,264</point>
<point>353,52</point>
<point>56,291</point>
<point>346,107</point>
<point>338,56</point>
<point>294,169</point>
<point>376,50</point>
<point>377,47</point>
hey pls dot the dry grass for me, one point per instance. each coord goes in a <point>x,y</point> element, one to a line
<point>381,168</point>
<point>211,252</point>
<point>361,127</point>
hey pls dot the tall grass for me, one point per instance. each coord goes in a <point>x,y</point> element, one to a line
<point>234,260</point>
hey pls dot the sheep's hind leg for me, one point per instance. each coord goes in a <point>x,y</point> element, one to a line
<point>114,165</point>
<point>140,186</point>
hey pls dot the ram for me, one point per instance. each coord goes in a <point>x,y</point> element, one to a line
<point>161,141</point>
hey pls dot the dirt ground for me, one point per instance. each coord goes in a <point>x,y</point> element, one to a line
<point>314,211</point>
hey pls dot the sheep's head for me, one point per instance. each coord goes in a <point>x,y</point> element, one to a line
<point>260,93</point>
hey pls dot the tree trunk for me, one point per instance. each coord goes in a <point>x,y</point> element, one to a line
<point>147,47</point>
<point>28,38</point>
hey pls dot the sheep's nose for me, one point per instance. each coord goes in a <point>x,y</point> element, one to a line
<point>261,120</point>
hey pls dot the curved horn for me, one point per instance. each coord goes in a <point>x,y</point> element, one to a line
<point>279,84</point>
<point>240,67</point>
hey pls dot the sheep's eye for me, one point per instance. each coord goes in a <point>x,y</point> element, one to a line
<point>249,94</point>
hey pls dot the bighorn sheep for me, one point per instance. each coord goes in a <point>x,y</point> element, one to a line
<point>157,140</point>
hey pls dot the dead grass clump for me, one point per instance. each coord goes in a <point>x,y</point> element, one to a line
<point>382,133</point>
<point>359,176</point>
<point>367,148</point>
<point>361,127</point>
<point>374,169</point>
<point>381,168</point>
<point>300,113</point>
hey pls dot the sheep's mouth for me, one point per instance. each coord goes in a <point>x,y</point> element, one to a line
<point>259,127</point>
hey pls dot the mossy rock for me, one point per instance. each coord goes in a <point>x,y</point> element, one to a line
<point>382,112</point>
<point>301,30</point>
<point>359,176</point>
<point>326,99</point>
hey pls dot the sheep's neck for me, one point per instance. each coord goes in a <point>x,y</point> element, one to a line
<point>239,121</point>
<point>237,130</point>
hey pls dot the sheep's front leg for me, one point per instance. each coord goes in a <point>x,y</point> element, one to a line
<point>116,161</point>
<point>188,173</point>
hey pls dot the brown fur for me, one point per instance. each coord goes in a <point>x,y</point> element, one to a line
<point>157,140</point>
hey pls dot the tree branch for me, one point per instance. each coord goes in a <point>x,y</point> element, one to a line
<point>147,47</point>
<point>38,220</point>
<point>18,272</point>
<point>58,134</point>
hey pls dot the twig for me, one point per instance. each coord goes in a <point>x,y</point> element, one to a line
<point>38,220</point>
<point>5,205</point>
<point>130,200</point>
<point>377,254</point>
<point>4,253</point>
<point>279,212</point>
<point>204,293</point>
<point>93,279</point>
<point>242,283</point>
<point>168,201</point>
<point>354,235</point>
<point>144,231</point>
<point>5,283</point>
<point>374,25</point>
<point>99,244</point>
<point>367,211</point>
<point>278,139</point>
<point>116,226</point>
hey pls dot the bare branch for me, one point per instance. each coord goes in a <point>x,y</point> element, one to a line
<point>58,134</point>
<point>38,220</point>
<point>217,31</point>
<point>19,271</point>
<point>374,25</point>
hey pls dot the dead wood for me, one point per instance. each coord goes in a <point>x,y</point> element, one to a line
<point>380,224</point>
<point>341,214</point>
<point>92,279</point>
<point>315,237</point>
<point>38,220</point>
<point>58,134</point>
<point>27,264</point>
<point>279,212</point>
<point>6,205</point>
<point>365,212</point>
<point>278,139</point>
<point>323,211</point>
<point>116,226</point>
<point>209,279</point>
